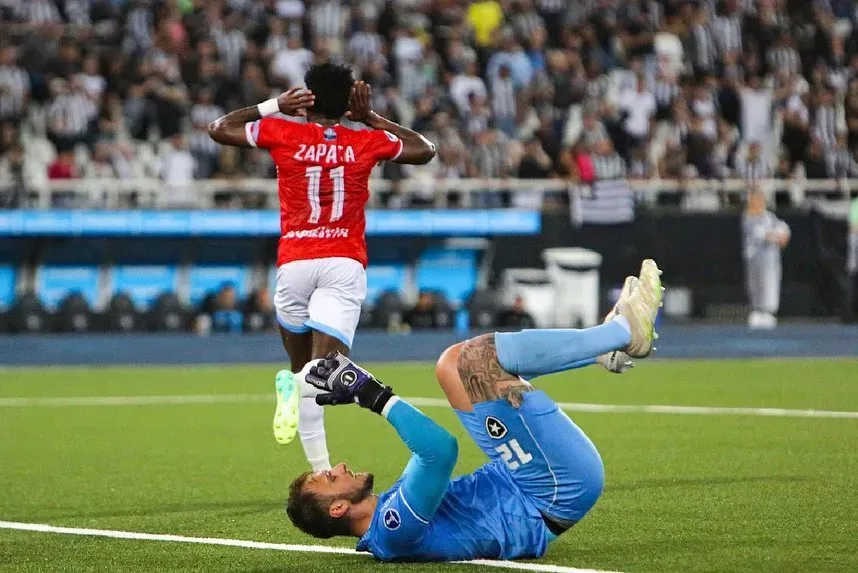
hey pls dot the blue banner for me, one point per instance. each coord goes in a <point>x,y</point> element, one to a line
<point>88,223</point>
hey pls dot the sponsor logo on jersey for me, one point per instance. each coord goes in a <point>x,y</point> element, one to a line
<point>319,233</point>
<point>330,134</point>
<point>392,520</point>
<point>348,377</point>
<point>495,427</point>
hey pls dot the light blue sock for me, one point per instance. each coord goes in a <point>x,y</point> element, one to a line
<point>532,353</point>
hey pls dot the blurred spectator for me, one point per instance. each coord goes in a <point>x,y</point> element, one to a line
<point>203,148</point>
<point>839,159</point>
<point>14,86</point>
<point>466,86</point>
<point>91,81</point>
<point>423,314</point>
<point>765,236</point>
<point>815,166</point>
<point>511,55</point>
<point>101,164</point>
<point>290,64</point>
<point>70,114</point>
<point>504,101</point>
<point>177,171</point>
<point>64,166</point>
<point>756,103</point>
<point>259,311</point>
<point>639,107</point>
<point>640,166</point>
<point>607,163</point>
<point>485,16</point>
<point>13,178</point>
<point>516,316</point>
<point>825,118</point>
<point>753,166</point>
<point>219,312</point>
<point>657,78</point>
<point>535,163</point>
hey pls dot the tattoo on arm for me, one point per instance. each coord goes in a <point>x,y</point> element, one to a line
<point>483,376</point>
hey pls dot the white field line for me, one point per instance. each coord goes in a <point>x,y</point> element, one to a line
<point>420,401</point>
<point>44,528</point>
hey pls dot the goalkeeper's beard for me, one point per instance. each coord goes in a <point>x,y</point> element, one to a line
<point>365,490</point>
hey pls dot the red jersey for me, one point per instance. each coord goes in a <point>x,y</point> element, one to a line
<point>323,183</point>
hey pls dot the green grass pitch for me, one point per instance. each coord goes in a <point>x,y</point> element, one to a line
<point>684,493</point>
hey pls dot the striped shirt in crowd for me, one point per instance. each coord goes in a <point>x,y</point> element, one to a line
<point>825,125</point>
<point>70,114</point>
<point>201,116</point>
<point>139,24</point>
<point>784,58</point>
<point>665,93</point>
<point>704,47</point>
<point>328,19</point>
<point>489,160</point>
<point>841,163</point>
<point>503,98</point>
<point>39,12</point>
<point>14,89</point>
<point>231,46</point>
<point>553,6</point>
<point>526,25</point>
<point>753,170</point>
<point>77,12</point>
<point>727,31</point>
<point>365,46</point>
<point>609,166</point>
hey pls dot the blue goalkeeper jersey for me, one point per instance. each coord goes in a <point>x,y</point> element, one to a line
<point>481,515</point>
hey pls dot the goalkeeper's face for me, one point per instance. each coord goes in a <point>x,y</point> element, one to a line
<point>340,482</point>
<point>320,503</point>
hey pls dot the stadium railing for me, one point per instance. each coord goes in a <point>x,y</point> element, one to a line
<point>151,192</point>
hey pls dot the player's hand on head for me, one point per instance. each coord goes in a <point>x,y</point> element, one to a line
<point>360,102</point>
<point>296,101</point>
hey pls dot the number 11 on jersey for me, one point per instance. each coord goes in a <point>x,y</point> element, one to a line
<point>314,184</point>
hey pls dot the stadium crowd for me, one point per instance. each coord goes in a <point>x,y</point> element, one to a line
<point>586,90</point>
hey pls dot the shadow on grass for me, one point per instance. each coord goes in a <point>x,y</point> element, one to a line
<point>700,482</point>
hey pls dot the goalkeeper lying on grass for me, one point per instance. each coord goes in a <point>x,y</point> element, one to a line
<point>543,476</point>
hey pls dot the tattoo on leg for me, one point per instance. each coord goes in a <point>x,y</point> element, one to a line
<point>483,376</point>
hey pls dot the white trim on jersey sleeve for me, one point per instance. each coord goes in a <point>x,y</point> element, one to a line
<point>248,132</point>
<point>414,513</point>
<point>399,152</point>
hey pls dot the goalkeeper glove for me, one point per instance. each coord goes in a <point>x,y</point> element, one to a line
<point>344,382</point>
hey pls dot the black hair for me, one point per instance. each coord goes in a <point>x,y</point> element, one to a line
<point>310,513</point>
<point>332,86</point>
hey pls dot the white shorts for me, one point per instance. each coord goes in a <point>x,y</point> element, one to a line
<point>321,294</point>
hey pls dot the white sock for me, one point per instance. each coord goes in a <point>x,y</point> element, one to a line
<point>311,429</point>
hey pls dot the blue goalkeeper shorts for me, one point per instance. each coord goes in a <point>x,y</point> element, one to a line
<point>553,462</point>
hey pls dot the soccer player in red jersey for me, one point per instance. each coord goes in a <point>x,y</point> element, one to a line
<point>323,171</point>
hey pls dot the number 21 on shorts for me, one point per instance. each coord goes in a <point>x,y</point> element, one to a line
<point>513,455</point>
<point>314,183</point>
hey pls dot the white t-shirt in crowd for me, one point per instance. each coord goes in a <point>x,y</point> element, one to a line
<point>640,108</point>
<point>756,114</point>
<point>462,86</point>
<point>292,65</point>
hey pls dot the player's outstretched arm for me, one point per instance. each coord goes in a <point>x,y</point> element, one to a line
<point>231,129</point>
<point>416,149</point>
<point>434,450</point>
